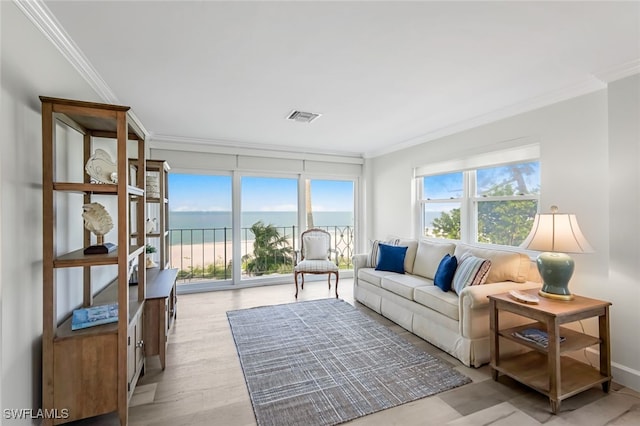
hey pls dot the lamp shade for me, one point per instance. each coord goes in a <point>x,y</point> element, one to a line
<point>556,232</point>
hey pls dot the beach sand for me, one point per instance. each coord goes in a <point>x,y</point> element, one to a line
<point>203,254</point>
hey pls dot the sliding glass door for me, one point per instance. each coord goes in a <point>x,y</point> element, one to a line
<point>200,227</point>
<point>269,214</point>
<point>235,228</point>
<point>329,205</point>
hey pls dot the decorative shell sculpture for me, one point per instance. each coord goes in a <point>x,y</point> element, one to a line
<point>101,168</point>
<point>97,219</point>
<point>151,225</point>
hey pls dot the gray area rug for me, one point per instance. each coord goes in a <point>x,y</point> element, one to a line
<point>323,362</point>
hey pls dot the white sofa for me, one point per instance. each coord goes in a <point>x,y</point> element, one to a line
<point>457,324</point>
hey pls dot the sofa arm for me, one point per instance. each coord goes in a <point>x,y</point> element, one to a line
<point>360,261</point>
<point>475,296</point>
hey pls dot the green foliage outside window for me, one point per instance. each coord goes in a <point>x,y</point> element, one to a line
<point>504,222</point>
<point>272,252</point>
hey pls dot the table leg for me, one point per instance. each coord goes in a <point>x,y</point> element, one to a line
<point>555,375</point>
<point>494,340</point>
<point>605,349</point>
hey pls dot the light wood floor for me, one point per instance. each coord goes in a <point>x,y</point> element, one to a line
<point>203,382</point>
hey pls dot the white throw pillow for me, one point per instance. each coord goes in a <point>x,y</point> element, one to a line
<point>315,248</point>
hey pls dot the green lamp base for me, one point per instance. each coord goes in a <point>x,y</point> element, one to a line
<point>555,270</point>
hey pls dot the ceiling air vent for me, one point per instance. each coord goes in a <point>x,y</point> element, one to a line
<point>302,117</point>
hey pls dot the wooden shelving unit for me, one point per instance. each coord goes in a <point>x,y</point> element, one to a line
<point>161,301</point>
<point>158,209</point>
<point>93,371</point>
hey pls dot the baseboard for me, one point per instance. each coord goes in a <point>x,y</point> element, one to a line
<point>622,374</point>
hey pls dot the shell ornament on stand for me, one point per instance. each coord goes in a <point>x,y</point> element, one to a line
<point>98,221</point>
<point>101,168</point>
<point>151,225</point>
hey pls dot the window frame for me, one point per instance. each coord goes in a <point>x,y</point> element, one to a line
<point>469,202</point>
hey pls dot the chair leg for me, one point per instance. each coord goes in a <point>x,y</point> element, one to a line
<point>295,279</point>
<point>336,283</point>
<point>329,280</point>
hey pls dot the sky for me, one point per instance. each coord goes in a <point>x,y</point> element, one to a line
<point>213,193</point>
<point>450,185</point>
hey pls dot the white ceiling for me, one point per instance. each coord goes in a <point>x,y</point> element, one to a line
<point>383,74</point>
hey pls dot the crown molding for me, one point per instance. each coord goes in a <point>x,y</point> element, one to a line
<point>215,146</point>
<point>40,15</point>
<point>46,22</point>
<point>588,85</point>
<point>620,71</point>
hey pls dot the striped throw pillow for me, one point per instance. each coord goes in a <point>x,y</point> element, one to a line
<point>471,270</point>
<point>372,261</point>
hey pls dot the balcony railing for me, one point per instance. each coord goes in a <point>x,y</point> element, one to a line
<point>206,254</point>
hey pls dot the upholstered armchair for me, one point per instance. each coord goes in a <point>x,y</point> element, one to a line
<point>314,257</point>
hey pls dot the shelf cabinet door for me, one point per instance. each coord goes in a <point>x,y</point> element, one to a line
<point>85,382</point>
<point>135,352</point>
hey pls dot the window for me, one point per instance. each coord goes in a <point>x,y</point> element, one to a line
<point>329,205</point>
<point>493,205</point>
<point>268,220</point>
<point>201,246</point>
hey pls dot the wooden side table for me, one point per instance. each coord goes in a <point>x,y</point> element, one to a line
<point>545,369</point>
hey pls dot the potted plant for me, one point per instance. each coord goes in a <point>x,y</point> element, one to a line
<point>149,250</point>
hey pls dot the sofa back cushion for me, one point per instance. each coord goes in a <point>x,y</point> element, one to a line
<point>505,265</point>
<point>428,257</point>
<point>410,256</point>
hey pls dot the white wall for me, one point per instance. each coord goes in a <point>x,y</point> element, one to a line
<point>30,67</point>
<point>624,218</point>
<point>577,138</point>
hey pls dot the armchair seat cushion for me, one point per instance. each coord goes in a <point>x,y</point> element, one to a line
<point>316,266</point>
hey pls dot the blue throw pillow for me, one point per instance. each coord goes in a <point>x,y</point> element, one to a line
<point>444,273</point>
<point>391,258</point>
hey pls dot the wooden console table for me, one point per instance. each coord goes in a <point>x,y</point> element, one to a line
<point>160,311</point>
<point>545,369</point>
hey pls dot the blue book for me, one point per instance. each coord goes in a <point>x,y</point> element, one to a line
<point>539,337</point>
<point>94,315</point>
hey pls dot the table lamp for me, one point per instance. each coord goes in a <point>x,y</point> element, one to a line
<point>556,234</point>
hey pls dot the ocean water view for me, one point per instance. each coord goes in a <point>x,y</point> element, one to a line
<point>218,220</point>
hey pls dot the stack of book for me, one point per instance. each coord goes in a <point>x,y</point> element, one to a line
<point>537,336</point>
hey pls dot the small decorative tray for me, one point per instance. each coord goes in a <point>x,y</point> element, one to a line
<point>523,297</point>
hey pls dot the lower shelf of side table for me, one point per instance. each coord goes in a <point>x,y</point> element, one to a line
<point>531,369</point>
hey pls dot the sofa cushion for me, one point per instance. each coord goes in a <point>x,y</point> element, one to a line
<point>428,257</point>
<point>472,270</point>
<point>410,257</point>
<point>391,258</point>
<point>505,265</point>
<point>372,276</point>
<point>446,271</point>
<point>403,285</point>
<point>432,297</point>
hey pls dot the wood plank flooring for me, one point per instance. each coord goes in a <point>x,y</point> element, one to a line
<point>203,382</point>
